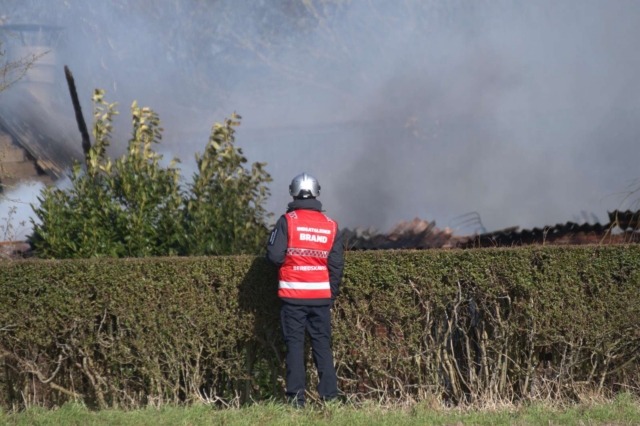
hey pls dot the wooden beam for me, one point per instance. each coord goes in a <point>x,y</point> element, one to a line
<point>82,126</point>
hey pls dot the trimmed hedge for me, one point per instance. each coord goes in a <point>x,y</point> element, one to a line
<point>501,323</point>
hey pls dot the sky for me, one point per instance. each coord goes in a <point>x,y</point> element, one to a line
<point>527,113</point>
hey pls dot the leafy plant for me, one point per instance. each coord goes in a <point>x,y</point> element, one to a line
<point>224,210</point>
<point>134,206</point>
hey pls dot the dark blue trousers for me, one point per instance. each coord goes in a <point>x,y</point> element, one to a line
<point>317,321</point>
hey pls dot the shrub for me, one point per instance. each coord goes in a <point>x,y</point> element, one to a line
<point>224,205</point>
<point>135,207</point>
<point>534,322</point>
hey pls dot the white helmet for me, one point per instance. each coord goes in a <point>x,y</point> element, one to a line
<point>304,186</point>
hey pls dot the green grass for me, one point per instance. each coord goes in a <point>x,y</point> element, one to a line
<point>623,410</point>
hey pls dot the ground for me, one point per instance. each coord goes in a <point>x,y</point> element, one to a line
<point>624,410</point>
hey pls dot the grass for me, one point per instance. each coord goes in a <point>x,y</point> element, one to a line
<point>624,410</point>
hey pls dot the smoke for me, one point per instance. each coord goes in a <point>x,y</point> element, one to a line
<point>526,112</point>
<point>16,211</point>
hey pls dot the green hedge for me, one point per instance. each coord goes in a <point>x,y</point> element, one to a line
<point>500,323</point>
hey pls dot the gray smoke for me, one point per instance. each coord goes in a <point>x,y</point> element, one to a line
<point>16,211</point>
<point>526,112</point>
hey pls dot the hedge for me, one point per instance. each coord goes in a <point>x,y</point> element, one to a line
<point>462,325</point>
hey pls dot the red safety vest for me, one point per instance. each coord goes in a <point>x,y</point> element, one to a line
<point>304,274</point>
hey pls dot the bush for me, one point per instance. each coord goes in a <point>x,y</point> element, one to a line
<point>533,322</point>
<point>135,207</point>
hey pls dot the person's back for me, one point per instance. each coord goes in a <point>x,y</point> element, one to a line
<point>305,244</point>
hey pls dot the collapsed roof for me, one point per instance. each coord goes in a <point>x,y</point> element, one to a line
<point>41,131</point>
<point>417,234</point>
<point>421,234</point>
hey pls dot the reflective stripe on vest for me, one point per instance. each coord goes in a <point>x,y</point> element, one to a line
<point>305,286</point>
<point>304,274</point>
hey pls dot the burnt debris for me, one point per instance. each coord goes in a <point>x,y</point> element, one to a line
<point>623,228</point>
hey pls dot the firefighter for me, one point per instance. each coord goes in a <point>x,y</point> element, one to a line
<point>307,248</point>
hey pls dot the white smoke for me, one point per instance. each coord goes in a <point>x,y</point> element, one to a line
<point>16,211</point>
<point>526,112</point>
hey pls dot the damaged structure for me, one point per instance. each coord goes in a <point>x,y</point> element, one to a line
<point>417,234</point>
<point>35,142</point>
<point>623,228</point>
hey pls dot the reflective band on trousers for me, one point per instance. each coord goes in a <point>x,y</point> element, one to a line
<point>305,286</point>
